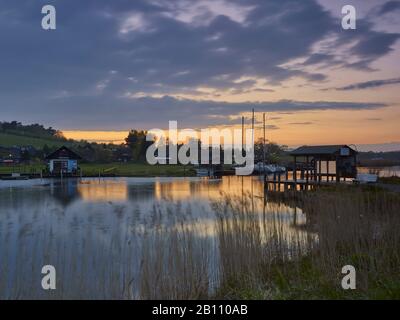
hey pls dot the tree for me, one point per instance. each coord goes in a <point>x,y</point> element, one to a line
<point>136,141</point>
<point>274,153</point>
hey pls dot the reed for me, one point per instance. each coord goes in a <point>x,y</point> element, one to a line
<point>344,228</point>
<point>262,256</point>
<point>291,247</point>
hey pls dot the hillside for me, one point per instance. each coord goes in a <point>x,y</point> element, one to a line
<point>16,133</point>
<point>10,140</point>
<point>379,159</point>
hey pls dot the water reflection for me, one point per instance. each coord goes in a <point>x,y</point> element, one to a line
<point>103,191</point>
<point>93,231</point>
<point>381,171</point>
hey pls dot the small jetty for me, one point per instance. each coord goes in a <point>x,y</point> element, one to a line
<point>213,171</point>
<point>315,166</point>
<point>14,176</point>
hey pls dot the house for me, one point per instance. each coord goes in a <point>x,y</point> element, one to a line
<point>63,161</point>
<point>325,162</point>
<point>122,154</point>
<point>10,156</point>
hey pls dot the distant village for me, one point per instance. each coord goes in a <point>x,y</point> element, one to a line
<point>17,155</point>
<point>16,149</point>
<point>23,144</point>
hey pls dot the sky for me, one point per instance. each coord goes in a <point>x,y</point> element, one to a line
<point>111,66</point>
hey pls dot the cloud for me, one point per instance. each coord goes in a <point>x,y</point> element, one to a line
<point>357,49</point>
<point>106,113</point>
<point>370,84</point>
<point>389,6</point>
<point>301,123</point>
<point>154,40</point>
<point>170,48</point>
<point>134,22</point>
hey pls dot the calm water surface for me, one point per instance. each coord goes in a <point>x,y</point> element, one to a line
<point>94,231</point>
<point>382,171</point>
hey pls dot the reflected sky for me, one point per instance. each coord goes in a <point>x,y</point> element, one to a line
<point>93,230</point>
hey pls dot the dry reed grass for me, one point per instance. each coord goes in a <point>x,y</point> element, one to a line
<point>259,259</point>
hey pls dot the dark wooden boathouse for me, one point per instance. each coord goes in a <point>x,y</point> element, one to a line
<point>325,163</point>
<point>63,161</point>
<point>316,165</point>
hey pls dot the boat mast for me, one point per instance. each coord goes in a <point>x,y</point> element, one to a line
<point>264,133</point>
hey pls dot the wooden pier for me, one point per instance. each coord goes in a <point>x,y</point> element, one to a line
<point>321,165</point>
<point>279,183</point>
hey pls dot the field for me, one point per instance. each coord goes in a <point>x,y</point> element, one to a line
<point>25,169</point>
<point>117,169</point>
<point>135,170</point>
<point>10,140</point>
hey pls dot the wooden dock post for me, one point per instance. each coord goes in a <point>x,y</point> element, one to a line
<point>279,181</point>
<point>307,170</point>
<point>295,173</point>
<point>319,170</point>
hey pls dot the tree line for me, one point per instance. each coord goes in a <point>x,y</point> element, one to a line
<point>132,150</point>
<point>31,130</point>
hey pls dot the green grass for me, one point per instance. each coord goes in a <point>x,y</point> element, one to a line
<point>31,168</point>
<point>117,169</point>
<point>9,140</point>
<point>301,280</point>
<point>390,180</point>
<point>135,170</point>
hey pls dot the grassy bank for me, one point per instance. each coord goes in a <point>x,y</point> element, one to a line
<point>351,228</point>
<point>117,169</point>
<point>136,170</point>
<point>257,260</point>
<point>390,180</point>
<point>10,140</point>
<point>23,168</point>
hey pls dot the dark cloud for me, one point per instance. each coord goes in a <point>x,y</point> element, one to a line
<point>361,46</point>
<point>107,113</point>
<point>77,76</point>
<point>272,127</point>
<point>389,6</point>
<point>318,58</point>
<point>301,123</point>
<point>370,84</point>
<point>88,43</point>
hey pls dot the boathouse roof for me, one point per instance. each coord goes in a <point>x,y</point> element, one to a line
<point>64,153</point>
<point>323,150</point>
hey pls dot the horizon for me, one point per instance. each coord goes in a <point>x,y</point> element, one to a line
<point>139,65</point>
<point>119,136</point>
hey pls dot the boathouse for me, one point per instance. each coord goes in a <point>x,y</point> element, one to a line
<point>63,161</point>
<point>325,163</point>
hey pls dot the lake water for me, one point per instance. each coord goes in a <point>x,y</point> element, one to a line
<point>381,171</point>
<point>95,231</point>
